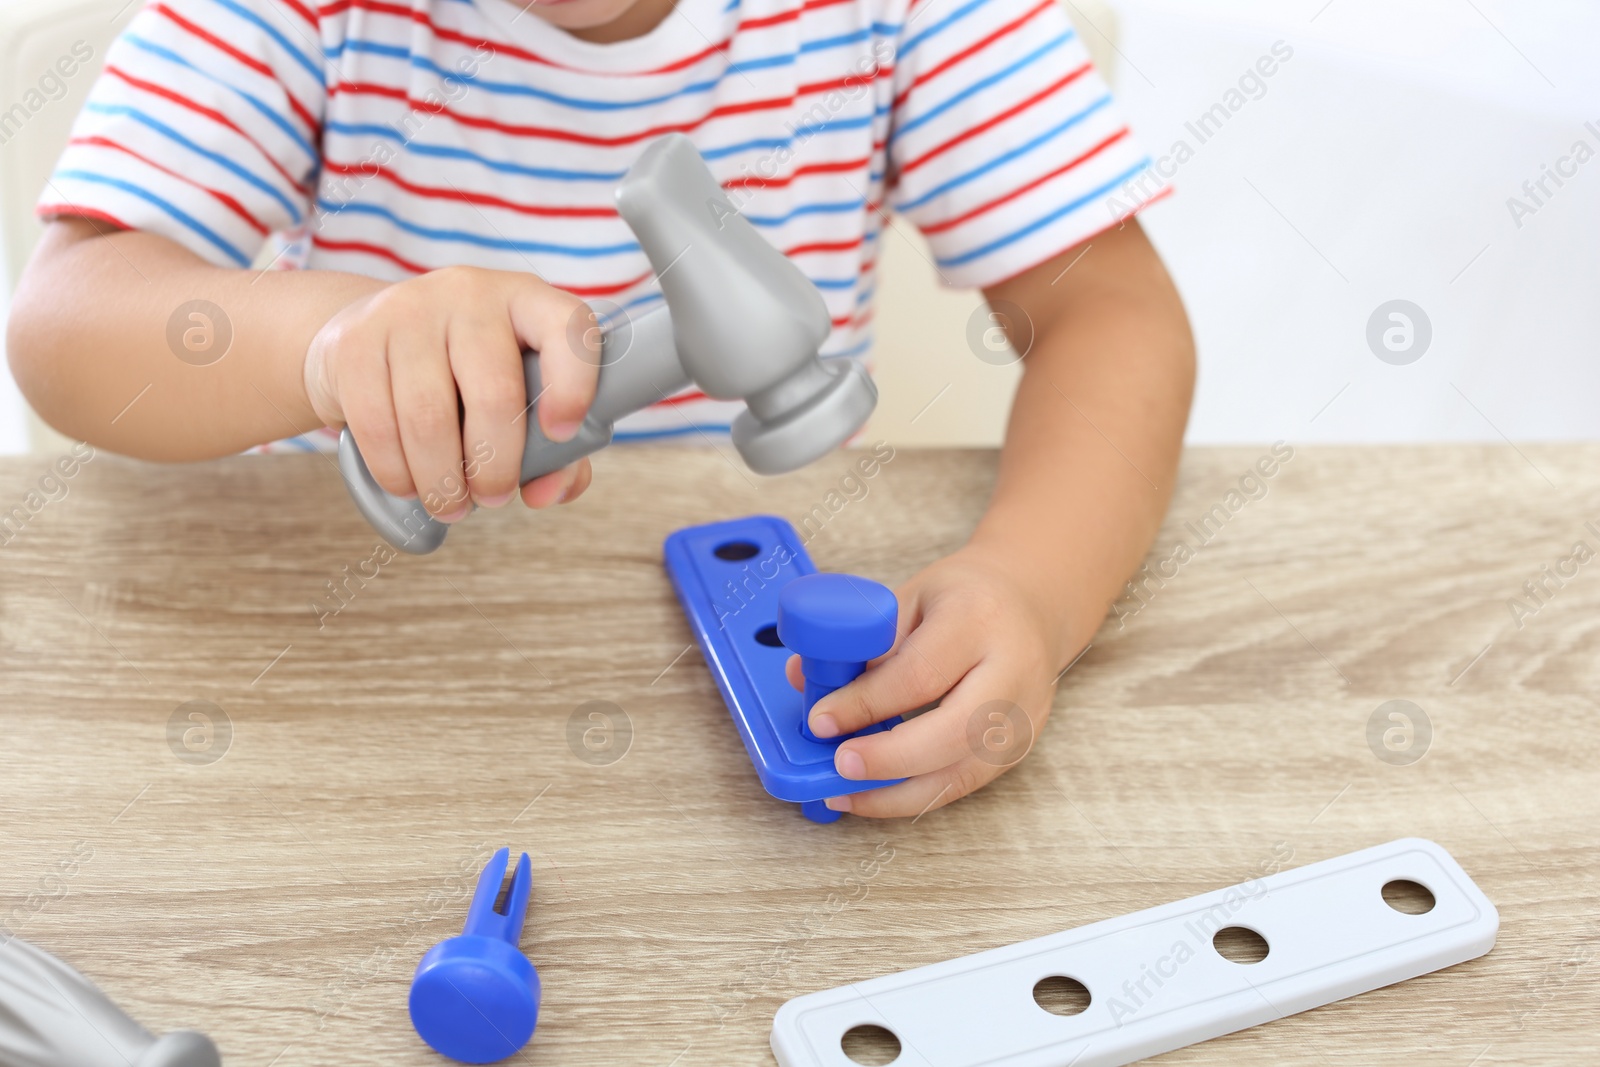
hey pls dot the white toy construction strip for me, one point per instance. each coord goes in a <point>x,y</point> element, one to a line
<point>1157,980</point>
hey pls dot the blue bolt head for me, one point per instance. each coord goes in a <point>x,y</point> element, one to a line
<point>475,998</point>
<point>837,617</point>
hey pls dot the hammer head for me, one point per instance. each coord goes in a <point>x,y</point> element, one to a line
<point>747,323</point>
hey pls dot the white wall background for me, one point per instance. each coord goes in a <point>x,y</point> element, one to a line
<point>1375,166</point>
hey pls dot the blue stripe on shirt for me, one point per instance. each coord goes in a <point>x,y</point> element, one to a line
<point>798,133</point>
<point>1006,157</point>
<point>984,83</point>
<point>267,112</point>
<point>313,67</point>
<point>580,103</point>
<point>1039,223</point>
<point>677,431</point>
<point>165,205</point>
<point>497,243</point>
<point>610,177</point>
<point>826,208</point>
<point>859,348</point>
<point>422,62</point>
<point>216,157</point>
<point>822,44</point>
<point>943,24</point>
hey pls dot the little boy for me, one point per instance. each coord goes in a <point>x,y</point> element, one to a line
<point>441,171</point>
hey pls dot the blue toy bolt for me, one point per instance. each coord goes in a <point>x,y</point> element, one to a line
<point>475,998</point>
<point>835,623</point>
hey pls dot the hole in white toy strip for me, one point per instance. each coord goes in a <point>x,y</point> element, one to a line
<point>1240,944</point>
<point>1060,995</point>
<point>1411,898</point>
<point>870,1045</point>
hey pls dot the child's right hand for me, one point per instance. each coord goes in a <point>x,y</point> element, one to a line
<point>392,364</point>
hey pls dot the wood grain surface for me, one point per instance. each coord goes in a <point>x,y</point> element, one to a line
<point>275,884</point>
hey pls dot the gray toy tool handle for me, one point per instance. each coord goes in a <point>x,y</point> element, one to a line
<point>51,1016</point>
<point>652,372</point>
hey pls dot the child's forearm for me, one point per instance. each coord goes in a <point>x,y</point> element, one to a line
<point>1096,428</point>
<point>89,343</point>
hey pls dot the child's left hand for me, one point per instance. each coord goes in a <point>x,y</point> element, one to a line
<point>976,638</point>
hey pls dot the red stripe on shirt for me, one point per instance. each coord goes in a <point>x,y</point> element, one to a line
<point>753,182</point>
<point>995,120</point>
<point>304,12</point>
<point>604,290</point>
<point>1108,227</point>
<point>681,398</point>
<point>823,246</point>
<point>216,116</point>
<point>247,60</point>
<point>369,249</point>
<point>221,197</point>
<point>49,211</point>
<point>548,133</point>
<point>383,252</point>
<point>369,170</point>
<point>972,49</point>
<point>946,224</point>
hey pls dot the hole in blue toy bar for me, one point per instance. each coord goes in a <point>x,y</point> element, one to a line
<point>768,635</point>
<point>734,551</point>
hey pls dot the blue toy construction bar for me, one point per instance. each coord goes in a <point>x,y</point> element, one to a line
<point>730,577</point>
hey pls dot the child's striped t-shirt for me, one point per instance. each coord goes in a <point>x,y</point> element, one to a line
<point>389,138</point>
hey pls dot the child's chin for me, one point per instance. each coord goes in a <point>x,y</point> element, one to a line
<point>579,14</point>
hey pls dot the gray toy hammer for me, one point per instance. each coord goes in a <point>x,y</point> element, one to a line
<point>740,322</point>
<point>52,1016</point>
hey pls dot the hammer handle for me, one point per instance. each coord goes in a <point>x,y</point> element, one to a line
<point>652,372</point>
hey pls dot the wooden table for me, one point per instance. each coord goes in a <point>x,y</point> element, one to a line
<point>280,896</point>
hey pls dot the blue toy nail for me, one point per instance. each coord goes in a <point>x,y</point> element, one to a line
<point>475,998</point>
<point>835,623</point>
